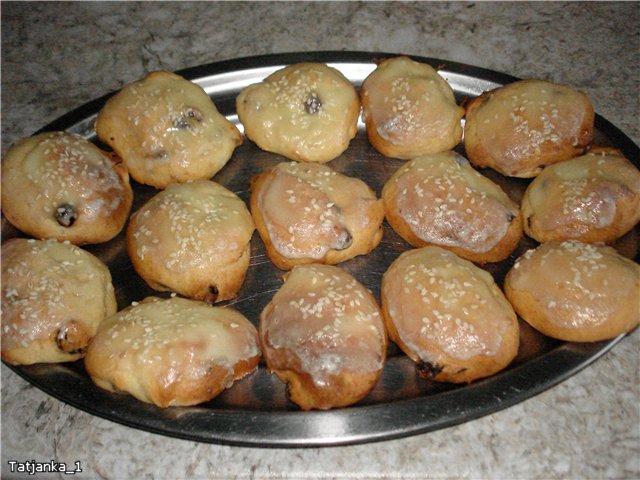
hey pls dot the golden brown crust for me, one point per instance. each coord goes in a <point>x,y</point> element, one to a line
<point>409,110</point>
<point>59,185</point>
<point>167,129</point>
<point>352,198</point>
<point>422,323</point>
<point>54,295</point>
<point>592,198</point>
<point>346,389</point>
<point>322,334</point>
<point>575,291</point>
<point>173,362</point>
<point>522,127</point>
<point>193,239</point>
<point>481,188</point>
<point>306,112</point>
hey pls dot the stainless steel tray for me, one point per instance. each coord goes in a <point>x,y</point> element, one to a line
<point>255,411</point>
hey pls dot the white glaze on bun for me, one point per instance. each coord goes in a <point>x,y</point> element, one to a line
<point>441,200</point>
<point>323,334</point>
<point>173,351</point>
<point>576,291</point>
<point>306,112</point>
<point>309,213</point>
<point>448,315</point>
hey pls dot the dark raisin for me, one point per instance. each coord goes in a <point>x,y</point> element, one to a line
<point>529,222</point>
<point>159,154</point>
<point>195,114</point>
<point>181,123</point>
<point>345,239</point>
<point>184,119</point>
<point>212,296</point>
<point>312,104</point>
<point>429,370</point>
<point>61,338</point>
<point>66,214</point>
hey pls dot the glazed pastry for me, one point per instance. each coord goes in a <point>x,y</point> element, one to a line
<point>522,127</point>
<point>193,239</point>
<point>410,110</point>
<point>575,291</point>
<point>54,295</point>
<point>172,352</point>
<point>448,316</point>
<point>167,129</point>
<point>441,200</point>
<point>308,213</point>
<point>592,198</point>
<point>59,185</point>
<point>322,334</point>
<point>306,112</point>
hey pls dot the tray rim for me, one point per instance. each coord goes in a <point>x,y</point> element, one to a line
<point>484,399</point>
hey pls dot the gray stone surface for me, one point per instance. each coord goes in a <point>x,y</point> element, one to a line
<point>57,56</point>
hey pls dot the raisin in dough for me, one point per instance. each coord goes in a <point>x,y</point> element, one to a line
<point>410,110</point>
<point>193,239</point>
<point>323,335</point>
<point>54,295</point>
<point>172,352</point>
<point>575,291</point>
<point>592,198</point>
<point>448,316</point>
<point>59,185</point>
<point>308,213</point>
<point>441,200</point>
<point>522,127</point>
<point>167,129</point>
<point>306,112</point>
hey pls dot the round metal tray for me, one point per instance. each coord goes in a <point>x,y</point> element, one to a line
<point>255,411</point>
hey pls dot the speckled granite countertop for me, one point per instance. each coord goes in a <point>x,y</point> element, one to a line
<point>56,57</point>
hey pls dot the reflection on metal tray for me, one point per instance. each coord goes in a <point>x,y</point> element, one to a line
<point>255,411</point>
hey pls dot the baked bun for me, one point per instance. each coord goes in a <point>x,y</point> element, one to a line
<point>441,200</point>
<point>193,239</point>
<point>322,334</point>
<point>592,198</point>
<point>524,126</point>
<point>575,291</point>
<point>306,112</point>
<point>308,213</point>
<point>448,316</point>
<point>172,352</point>
<point>59,185</point>
<point>167,129</point>
<point>54,295</point>
<point>410,110</point>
